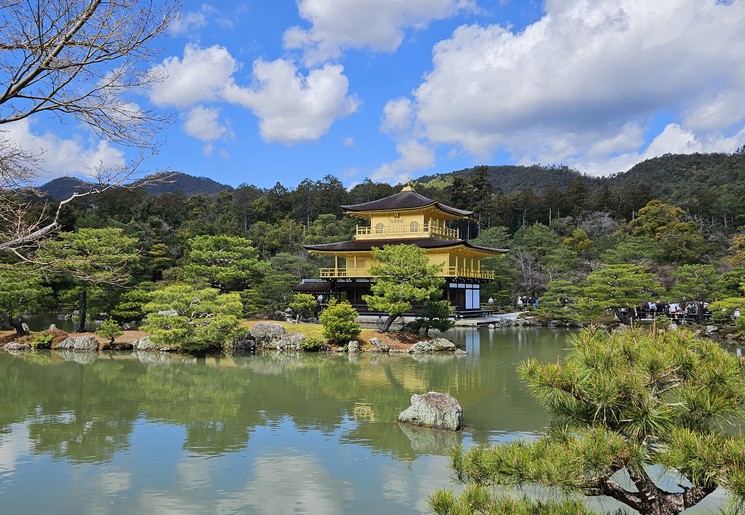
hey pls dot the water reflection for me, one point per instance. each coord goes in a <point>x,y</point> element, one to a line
<point>127,432</point>
<point>82,406</point>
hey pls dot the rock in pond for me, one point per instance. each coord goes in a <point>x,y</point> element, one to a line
<point>433,409</point>
<point>17,346</point>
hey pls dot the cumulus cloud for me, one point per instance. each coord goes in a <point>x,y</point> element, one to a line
<point>415,156</point>
<point>354,24</point>
<point>582,84</point>
<point>200,76</point>
<point>57,156</point>
<point>398,116</point>
<point>204,124</point>
<point>293,107</point>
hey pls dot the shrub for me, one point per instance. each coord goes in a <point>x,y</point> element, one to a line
<point>339,322</point>
<point>312,344</point>
<point>109,330</point>
<point>40,341</point>
<point>435,315</point>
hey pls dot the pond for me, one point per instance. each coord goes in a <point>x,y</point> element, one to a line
<point>271,433</point>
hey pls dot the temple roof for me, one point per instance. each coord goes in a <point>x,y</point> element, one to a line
<point>424,243</point>
<point>406,199</point>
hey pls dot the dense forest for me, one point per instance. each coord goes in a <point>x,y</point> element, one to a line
<point>559,225</point>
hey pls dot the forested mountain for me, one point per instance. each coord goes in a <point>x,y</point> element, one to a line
<point>155,184</point>
<point>707,186</point>
<point>63,187</point>
<point>512,178</point>
<point>167,182</point>
<point>702,184</point>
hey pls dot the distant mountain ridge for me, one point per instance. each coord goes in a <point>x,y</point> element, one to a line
<point>155,184</point>
<point>514,178</point>
<point>675,178</point>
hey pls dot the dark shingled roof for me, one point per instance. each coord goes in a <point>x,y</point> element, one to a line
<point>313,286</point>
<point>406,199</point>
<point>424,243</point>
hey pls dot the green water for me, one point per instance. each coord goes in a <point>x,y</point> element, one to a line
<point>270,433</point>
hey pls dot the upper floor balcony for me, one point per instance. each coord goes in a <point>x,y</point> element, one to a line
<point>451,271</point>
<point>413,230</point>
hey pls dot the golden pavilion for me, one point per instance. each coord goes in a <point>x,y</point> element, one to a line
<point>407,218</point>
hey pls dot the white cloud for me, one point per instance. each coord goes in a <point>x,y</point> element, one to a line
<point>293,107</point>
<point>415,156</point>
<point>372,24</point>
<point>57,156</point>
<point>673,139</point>
<point>582,84</point>
<point>718,113</point>
<point>398,116</point>
<point>187,23</point>
<point>204,124</point>
<point>201,76</point>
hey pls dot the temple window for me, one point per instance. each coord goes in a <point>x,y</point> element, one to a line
<point>414,227</point>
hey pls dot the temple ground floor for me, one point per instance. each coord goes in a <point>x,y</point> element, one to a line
<point>463,294</point>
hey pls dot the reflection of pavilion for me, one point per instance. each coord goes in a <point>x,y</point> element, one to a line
<point>407,218</point>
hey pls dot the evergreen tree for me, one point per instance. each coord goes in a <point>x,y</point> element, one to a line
<point>403,277</point>
<point>90,258</point>
<point>22,290</point>
<point>192,319</point>
<point>620,403</point>
<point>228,263</point>
<point>696,283</point>
<point>619,289</point>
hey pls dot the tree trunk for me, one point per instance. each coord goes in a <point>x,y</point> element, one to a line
<point>624,317</point>
<point>82,311</point>
<point>388,323</point>
<point>652,500</point>
<point>701,316</point>
<point>17,324</point>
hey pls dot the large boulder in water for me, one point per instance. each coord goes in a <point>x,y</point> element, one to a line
<point>435,410</point>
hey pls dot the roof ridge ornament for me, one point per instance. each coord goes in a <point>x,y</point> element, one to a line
<point>409,186</point>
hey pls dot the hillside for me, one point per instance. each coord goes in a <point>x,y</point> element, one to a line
<point>691,181</point>
<point>681,178</point>
<point>512,179</point>
<point>155,184</point>
<point>62,187</point>
<point>166,182</point>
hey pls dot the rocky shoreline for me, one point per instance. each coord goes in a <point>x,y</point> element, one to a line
<point>263,336</point>
<point>266,336</point>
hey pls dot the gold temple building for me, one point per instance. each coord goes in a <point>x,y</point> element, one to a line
<point>413,219</point>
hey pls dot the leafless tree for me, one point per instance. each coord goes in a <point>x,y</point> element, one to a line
<point>79,60</point>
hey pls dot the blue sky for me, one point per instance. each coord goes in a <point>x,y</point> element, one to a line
<point>287,90</point>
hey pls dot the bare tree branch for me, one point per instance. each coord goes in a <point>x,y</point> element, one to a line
<point>80,59</point>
